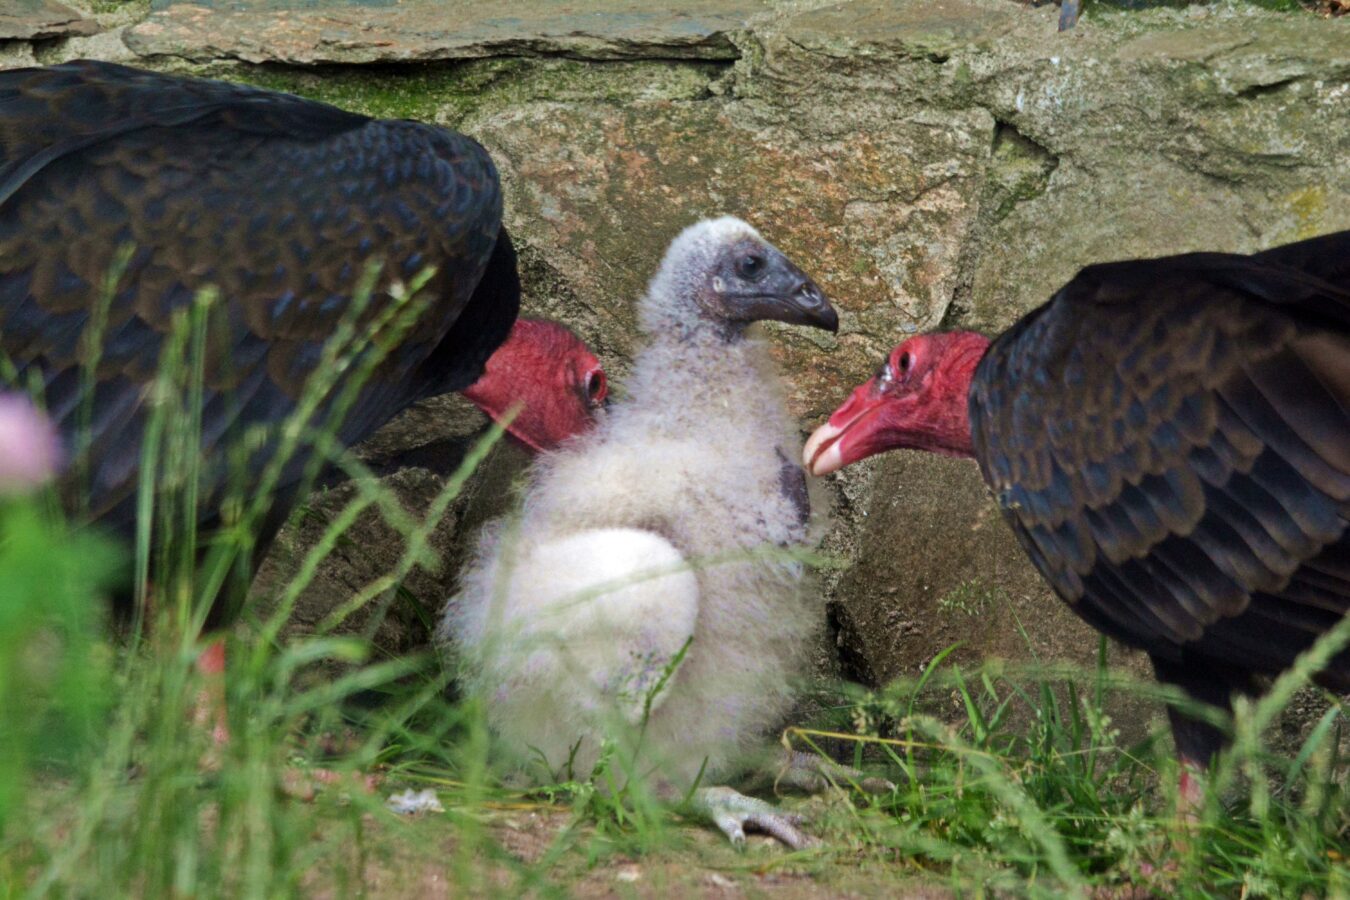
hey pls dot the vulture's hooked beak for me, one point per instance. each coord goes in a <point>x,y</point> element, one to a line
<point>836,443</point>
<point>786,294</point>
<point>804,304</point>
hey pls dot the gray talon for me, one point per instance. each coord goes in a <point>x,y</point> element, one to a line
<point>732,812</point>
<point>813,774</point>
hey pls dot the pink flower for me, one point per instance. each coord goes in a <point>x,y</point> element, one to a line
<point>30,451</point>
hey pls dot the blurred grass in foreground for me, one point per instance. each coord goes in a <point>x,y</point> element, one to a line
<point>1010,780</point>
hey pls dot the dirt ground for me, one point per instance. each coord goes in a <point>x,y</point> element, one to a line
<point>424,856</point>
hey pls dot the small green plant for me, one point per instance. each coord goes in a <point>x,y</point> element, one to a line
<point>54,664</point>
<point>971,598</point>
<point>1029,788</point>
<point>1008,779</point>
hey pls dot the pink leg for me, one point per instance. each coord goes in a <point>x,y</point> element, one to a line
<point>1190,801</point>
<point>209,709</point>
<point>1190,792</point>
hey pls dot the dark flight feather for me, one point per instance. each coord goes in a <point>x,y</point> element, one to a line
<point>279,204</point>
<point>1203,515</point>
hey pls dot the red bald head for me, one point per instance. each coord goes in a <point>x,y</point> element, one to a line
<point>554,378</point>
<point>918,399</point>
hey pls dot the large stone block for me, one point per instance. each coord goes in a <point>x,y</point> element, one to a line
<point>364,31</point>
<point>42,20</point>
<point>932,164</point>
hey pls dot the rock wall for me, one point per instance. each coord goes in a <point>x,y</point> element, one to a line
<point>932,164</point>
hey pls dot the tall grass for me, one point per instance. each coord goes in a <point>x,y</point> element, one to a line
<point>1030,789</point>
<point>130,797</point>
<point>1007,779</point>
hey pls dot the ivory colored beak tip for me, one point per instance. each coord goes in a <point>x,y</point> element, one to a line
<point>821,454</point>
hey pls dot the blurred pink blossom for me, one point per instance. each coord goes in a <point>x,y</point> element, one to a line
<point>30,451</point>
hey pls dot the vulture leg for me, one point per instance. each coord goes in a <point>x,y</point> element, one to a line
<point>733,812</point>
<point>208,710</point>
<point>814,774</point>
<point>1198,742</point>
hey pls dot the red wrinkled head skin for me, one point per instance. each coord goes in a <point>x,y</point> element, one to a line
<point>919,399</point>
<point>551,375</point>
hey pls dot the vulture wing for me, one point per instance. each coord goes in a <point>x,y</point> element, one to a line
<point>1323,257</point>
<point>1170,440</point>
<point>277,202</point>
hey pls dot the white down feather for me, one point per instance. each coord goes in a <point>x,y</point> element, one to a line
<point>661,532</point>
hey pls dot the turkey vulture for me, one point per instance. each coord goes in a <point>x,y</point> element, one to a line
<point>280,204</point>
<point>1170,441</point>
<point>544,382</point>
<point>602,612</point>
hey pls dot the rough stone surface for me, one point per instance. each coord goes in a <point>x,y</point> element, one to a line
<point>443,430</point>
<point>365,31</point>
<point>41,20</point>
<point>107,45</point>
<point>932,164</point>
<point>936,567</point>
<point>399,620</point>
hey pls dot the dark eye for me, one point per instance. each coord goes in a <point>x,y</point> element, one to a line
<point>750,266</point>
<point>596,387</point>
<point>904,362</point>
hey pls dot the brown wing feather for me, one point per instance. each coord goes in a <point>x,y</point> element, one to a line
<point>277,202</point>
<point>1170,440</point>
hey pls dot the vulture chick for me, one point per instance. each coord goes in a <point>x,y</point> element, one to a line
<point>642,598</point>
<point>1170,441</point>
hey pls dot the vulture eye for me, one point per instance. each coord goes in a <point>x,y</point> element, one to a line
<point>750,266</point>
<point>596,387</point>
<point>904,362</point>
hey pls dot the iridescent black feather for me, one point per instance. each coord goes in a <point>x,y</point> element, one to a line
<point>1171,441</point>
<point>278,202</point>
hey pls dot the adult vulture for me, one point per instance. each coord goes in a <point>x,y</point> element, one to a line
<point>280,204</point>
<point>1170,441</point>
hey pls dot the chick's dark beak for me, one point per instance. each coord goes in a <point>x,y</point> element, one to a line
<point>787,294</point>
<point>805,304</point>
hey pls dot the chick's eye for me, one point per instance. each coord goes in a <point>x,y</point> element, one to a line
<point>750,266</point>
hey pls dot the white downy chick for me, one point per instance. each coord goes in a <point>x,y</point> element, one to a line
<point>645,596</point>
